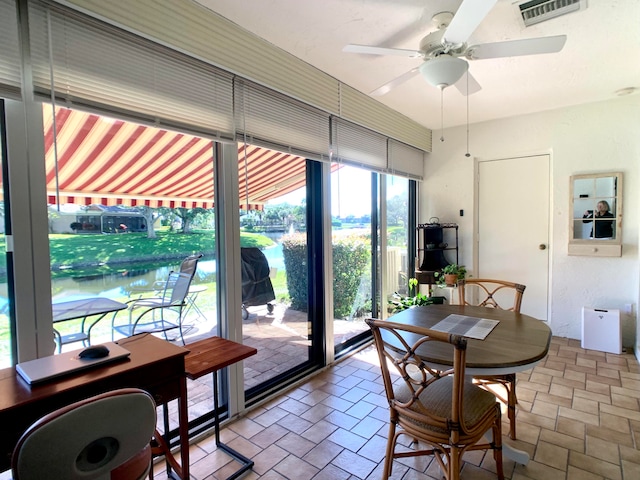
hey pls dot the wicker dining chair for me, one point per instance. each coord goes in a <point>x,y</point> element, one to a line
<point>503,295</point>
<point>439,409</point>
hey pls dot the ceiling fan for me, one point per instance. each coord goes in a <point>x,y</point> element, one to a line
<point>445,51</point>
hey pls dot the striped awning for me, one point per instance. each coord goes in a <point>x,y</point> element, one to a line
<point>99,160</point>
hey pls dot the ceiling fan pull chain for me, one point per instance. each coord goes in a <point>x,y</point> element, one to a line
<point>467,154</point>
<point>441,114</point>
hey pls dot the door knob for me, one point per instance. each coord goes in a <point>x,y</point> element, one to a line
<point>542,246</point>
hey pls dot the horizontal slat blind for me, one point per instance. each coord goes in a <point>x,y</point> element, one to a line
<point>190,28</point>
<point>359,146</point>
<point>98,65</point>
<point>196,30</point>
<point>10,68</point>
<point>357,107</point>
<point>266,118</point>
<point>405,160</point>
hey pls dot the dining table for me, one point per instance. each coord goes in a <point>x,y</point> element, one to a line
<point>517,343</point>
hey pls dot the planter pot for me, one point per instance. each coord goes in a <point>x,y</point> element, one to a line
<point>437,300</point>
<point>450,279</point>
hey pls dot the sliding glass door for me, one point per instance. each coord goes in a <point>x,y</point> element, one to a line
<point>7,323</point>
<point>354,241</point>
<point>359,198</point>
<point>276,228</point>
<point>398,233</point>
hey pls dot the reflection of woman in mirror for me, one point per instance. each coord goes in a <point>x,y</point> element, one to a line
<point>603,229</point>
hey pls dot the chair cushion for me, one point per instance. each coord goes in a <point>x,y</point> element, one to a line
<point>436,398</point>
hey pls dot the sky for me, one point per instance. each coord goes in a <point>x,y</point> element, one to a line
<point>350,192</point>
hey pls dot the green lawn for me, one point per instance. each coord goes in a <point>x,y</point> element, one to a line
<point>91,249</point>
<point>83,249</point>
<point>90,254</point>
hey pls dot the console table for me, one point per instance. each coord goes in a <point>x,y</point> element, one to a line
<point>209,356</point>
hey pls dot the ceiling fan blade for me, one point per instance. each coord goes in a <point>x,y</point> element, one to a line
<point>514,48</point>
<point>473,85</point>
<point>369,50</point>
<point>387,87</point>
<point>467,19</point>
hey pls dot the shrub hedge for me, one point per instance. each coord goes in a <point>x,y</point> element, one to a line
<point>351,258</point>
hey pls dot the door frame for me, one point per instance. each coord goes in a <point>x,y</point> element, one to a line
<point>476,215</point>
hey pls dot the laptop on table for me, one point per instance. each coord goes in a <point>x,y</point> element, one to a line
<point>54,366</point>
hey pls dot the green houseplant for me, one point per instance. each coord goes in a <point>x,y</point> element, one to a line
<point>398,302</point>
<point>450,275</point>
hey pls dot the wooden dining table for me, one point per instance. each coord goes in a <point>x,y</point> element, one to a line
<point>517,343</point>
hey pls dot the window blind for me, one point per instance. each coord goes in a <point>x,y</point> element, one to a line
<point>101,66</point>
<point>107,68</point>
<point>270,119</point>
<point>10,67</point>
<point>357,145</point>
<point>360,109</point>
<point>197,31</point>
<point>405,160</point>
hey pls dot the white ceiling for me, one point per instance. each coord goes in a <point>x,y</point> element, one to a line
<point>601,55</point>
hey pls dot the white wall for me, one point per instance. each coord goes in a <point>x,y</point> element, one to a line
<point>591,138</point>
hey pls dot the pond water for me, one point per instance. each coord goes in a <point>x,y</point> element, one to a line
<point>275,257</point>
<point>124,280</point>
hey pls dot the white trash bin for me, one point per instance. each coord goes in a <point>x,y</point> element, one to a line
<point>601,330</point>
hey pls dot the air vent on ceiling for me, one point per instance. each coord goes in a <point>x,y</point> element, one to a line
<point>536,11</point>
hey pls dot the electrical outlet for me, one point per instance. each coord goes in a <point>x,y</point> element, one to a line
<point>628,308</point>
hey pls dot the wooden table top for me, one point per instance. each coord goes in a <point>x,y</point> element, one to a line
<point>517,342</point>
<point>212,354</point>
<point>145,350</point>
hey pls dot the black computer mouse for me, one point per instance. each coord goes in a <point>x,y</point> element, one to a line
<point>97,351</point>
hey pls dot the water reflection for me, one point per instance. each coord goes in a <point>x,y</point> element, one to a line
<point>122,280</point>
<point>125,279</point>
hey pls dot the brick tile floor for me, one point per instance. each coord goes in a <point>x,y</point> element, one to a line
<point>578,418</point>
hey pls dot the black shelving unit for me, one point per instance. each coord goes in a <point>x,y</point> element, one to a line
<point>436,243</point>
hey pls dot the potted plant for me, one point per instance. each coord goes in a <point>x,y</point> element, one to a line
<point>450,275</point>
<point>399,302</point>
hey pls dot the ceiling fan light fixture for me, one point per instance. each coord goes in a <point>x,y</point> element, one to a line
<point>443,71</point>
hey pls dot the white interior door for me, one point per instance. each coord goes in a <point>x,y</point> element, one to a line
<point>513,226</point>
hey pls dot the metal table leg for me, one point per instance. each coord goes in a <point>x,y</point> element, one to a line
<point>247,463</point>
<point>164,443</point>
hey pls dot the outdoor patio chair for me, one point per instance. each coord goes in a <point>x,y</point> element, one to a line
<point>439,409</point>
<point>164,312</point>
<point>188,266</point>
<point>107,436</point>
<point>503,295</point>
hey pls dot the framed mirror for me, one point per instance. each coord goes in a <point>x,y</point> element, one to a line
<point>596,221</point>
